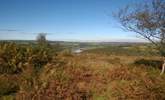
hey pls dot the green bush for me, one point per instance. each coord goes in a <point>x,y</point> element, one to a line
<point>149,63</point>
<point>14,56</point>
<point>7,85</point>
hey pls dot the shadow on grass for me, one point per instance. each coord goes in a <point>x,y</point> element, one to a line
<point>149,63</point>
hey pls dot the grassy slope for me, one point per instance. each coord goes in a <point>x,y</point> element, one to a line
<point>99,74</point>
<point>117,77</point>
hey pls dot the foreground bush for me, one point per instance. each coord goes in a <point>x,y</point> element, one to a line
<point>14,56</point>
<point>8,85</point>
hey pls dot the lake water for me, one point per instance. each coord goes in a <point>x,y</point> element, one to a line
<point>77,51</point>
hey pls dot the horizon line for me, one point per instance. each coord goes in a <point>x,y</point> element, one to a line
<point>74,40</point>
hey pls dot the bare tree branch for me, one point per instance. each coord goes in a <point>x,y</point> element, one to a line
<point>147,20</point>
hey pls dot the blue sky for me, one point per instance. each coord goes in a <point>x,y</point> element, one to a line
<point>65,20</point>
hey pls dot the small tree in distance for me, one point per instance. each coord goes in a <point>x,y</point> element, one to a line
<point>41,39</point>
<point>147,20</point>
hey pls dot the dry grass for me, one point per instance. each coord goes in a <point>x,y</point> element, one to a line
<point>90,76</point>
<point>114,77</point>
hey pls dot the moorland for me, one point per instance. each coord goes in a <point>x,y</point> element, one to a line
<point>104,71</point>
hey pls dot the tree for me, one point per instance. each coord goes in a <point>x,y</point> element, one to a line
<point>147,20</point>
<point>41,39</point>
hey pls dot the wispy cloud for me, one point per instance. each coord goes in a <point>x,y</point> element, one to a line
<point>9,30</point>
<point>15,31</point>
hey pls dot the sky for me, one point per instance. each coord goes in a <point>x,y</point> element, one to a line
<point>63,20</point>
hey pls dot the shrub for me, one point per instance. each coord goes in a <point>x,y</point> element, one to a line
<point>7,85</point>
<point>14,56</point>
<point>149,63</point>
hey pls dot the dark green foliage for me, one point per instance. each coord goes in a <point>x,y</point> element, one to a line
<point>14,56</point>
<point>150,63</point>
<point>162,51</point>
<point>7,85</point>
<point>40,56</point>
<point>41,39</point>
<point>26,61</point>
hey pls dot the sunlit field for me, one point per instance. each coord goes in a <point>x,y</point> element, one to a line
<point>46,72</point>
